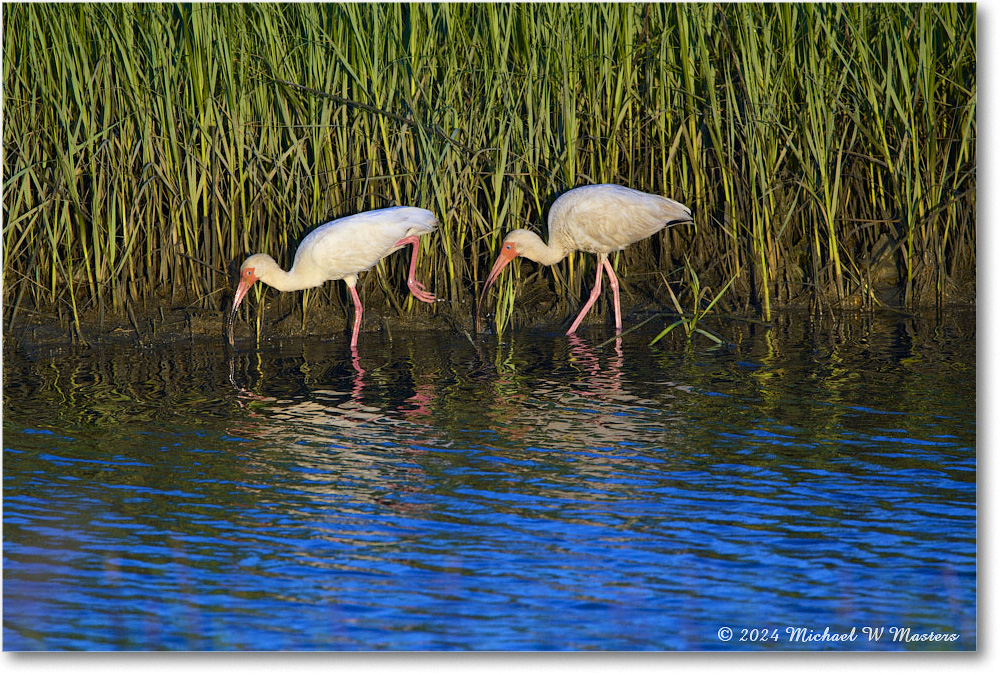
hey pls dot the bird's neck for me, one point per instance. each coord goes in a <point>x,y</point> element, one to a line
<point>534,248</point>
<point>295,279</point>
<point>283,281</point>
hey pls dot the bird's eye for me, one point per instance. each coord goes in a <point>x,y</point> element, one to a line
<point>248,271</point>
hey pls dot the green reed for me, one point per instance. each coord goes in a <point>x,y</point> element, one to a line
<point>149,148</point>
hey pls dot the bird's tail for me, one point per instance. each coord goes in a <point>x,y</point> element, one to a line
<point>679,213</point>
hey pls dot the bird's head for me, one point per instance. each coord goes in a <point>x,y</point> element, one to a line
<point>254,268</point>
<point>512,246</point>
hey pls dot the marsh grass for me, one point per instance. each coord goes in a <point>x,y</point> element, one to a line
<point>824,149</point>
<point>703,302</point>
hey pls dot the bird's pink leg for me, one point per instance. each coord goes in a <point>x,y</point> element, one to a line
<point>358,311</point>
<point>416,288</point>
<point>593,297</point>
<point>613,282</point>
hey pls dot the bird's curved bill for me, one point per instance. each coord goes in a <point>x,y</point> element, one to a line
<point>498,266</point>
<point>241,292</point>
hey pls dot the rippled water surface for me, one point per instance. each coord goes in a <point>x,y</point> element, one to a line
<point>537,493</point>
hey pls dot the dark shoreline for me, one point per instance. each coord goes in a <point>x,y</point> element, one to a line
<point>160,326</point>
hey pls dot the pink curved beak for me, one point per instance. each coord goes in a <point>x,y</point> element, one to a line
<point>506,255</point>
<point>245,285</point>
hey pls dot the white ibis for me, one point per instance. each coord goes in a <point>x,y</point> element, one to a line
<point>341,249</point>
<point>596,219</point>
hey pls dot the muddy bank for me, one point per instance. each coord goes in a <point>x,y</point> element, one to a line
<point>537,306</point>
<point>165,325</point>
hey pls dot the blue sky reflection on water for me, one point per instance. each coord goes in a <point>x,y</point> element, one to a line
<point>540,494</point>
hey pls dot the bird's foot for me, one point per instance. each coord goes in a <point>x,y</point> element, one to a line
<point>419,292</point>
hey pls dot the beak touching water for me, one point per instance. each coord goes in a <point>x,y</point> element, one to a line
<point>507,253</point>
<point>247,280</point>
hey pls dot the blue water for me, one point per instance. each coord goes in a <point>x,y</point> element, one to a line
<point>536,493</point>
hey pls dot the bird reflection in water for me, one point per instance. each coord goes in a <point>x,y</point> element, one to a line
<point>600,400</point>
<point>590,407</point>
<point>331,442</point>
<point>246,398</point>
<point>599,409</point>
<point>359,377</point>
<point>601,380</point>
<point>320,410</point>
<point>423,397</point>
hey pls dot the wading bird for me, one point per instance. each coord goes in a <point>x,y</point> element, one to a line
<point>341,249</point>
<point>596,219</point>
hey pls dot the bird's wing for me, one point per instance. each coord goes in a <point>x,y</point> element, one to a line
<point>604,218</point>
<point>356,243</point>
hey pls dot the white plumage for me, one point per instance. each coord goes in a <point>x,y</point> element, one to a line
<point>596,219</point>
<point>342,249</point>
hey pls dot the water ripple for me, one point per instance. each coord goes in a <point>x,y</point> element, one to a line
<point>553,496</point>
